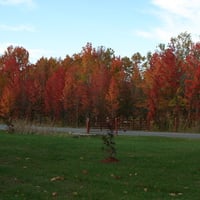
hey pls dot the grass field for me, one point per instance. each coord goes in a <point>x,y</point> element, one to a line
<point>62,167</point>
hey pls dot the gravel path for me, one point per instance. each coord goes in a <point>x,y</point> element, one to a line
<point>120,132</point>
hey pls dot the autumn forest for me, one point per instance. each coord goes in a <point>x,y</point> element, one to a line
<point>160,90</point>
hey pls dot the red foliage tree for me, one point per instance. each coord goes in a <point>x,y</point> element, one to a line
<point>164,88</point>
<point>14,61</point>
<point>54,94</point>
<point>192,86</point>
<point>95,83</point>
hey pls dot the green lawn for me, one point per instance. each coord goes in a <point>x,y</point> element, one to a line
<point>62,167</point>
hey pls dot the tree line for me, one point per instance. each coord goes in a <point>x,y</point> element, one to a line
<point>161,88</point>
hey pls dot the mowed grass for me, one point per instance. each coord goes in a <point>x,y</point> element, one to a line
<point>63,167</point>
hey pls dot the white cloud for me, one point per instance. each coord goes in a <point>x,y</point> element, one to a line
<point>18,28</point>
<point>183,8</point>
<point>175,16</point>
<point>29,3</point>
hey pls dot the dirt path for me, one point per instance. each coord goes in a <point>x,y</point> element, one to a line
<point>120,132</point>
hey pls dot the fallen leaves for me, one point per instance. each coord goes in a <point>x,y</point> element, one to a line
<point>130,174</point>
<point>75,193</point>
<point>174,194</point>
<point>125,192</point>
<point>84,171</point>
<point>53,179</point>
<point>145,189</point>
<point>115,176</point>
<point>54,194</point>
<point>57,178</point>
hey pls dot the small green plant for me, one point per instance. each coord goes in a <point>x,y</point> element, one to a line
<point>109,145</point>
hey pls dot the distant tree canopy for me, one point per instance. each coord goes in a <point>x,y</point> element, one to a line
<point>161,88</point>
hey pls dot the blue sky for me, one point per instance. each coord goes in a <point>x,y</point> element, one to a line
<point>60,27</point>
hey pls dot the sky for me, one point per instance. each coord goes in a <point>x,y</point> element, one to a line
<point>56,28</point>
